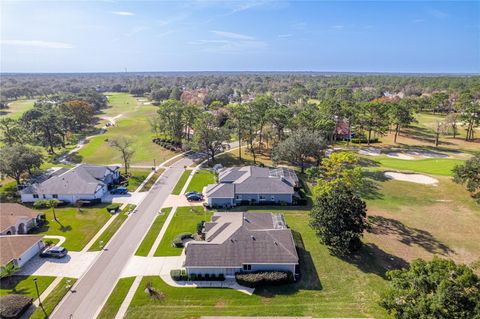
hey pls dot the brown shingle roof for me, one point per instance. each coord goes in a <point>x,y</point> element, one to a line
<point>14,246</point>
<point>11,212</point>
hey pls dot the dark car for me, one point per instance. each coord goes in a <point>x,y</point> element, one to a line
<point>194,198</point>
<point>193,193</point>
<point>54,252</point>
<point>119,191</point>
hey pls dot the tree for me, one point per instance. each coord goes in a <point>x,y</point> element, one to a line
<point>12,131</point>
<point>8,271</point>
<point>279,116</point>
<point>338,168</point>
<point>469,113</point>
<point>452,121</point>
<point>208,137</point>
<point>237,122</point>
<point>299,146</point>
<point>171,112</point>
<point>261,106</point>
<point>433,289</point>
<point>339,219</point>
<point>78,114</point>
<point>373,117</point>
<point>17,160</point>
<point>53,203</point>
<point>469,174</point>
<point>44,123</point>
<point>439,101</point>
<point>123,145</point>
<point>401,114</point>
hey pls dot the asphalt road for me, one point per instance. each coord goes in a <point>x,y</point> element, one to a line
<point>94,287</point>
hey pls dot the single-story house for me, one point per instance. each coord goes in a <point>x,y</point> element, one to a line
<point>18,249</point>
<point>252,185</point>
<point>82,182</point>
<point>17,219</point>
<point>242,242</point>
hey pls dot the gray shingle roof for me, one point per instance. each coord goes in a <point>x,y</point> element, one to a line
<point>244,238</point>
<point>82,179</point>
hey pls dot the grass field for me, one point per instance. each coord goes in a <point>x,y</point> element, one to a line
<point>115,299</point>
<point>152,234</point>
<point>24,285</point>
<point>77,227</point>
<point>134,124</point>
<point>181,182</point>
<point>112,228</point>
<point>137,176</point>
<point>435,166</point>
<point>185,220</point>
<point>17,108</point>
<point>53,299</point>
<point>201,179</point>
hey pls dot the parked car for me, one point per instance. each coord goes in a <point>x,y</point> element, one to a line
<point>194,198</point>
<point>54,252</point>
<point>119,191</point>
<point>193,193</point>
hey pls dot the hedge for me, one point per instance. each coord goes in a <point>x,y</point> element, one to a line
<point>264,278</point>
<point>113,207</point>
<point>181,275</point>
<point>363,140</point>
<point>178,240</point>
<point>45,203</point>
<point>13,306</point>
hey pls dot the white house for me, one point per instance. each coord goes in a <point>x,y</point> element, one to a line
<point>82,182</point>
<point>242,242</point>
<point>18,249</point>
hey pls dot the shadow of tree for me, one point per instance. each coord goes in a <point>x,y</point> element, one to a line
<point>380,225</point>
<point>371,259</point>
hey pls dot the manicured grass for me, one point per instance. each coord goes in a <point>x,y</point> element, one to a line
<point>24,285</point>
<point>112,228</point>
<point>181,182</point>
<point>116,298</point>
<point>137,176</point>
<point>201,179</point>
<point>185,220</point>
<point>329,287</point>
<point>8,190</point>
<point>153,232</point>
<point>53,299</point>
<point>435,166</point>
<point>152,180</point>
<point>77,227</point>
<point>17,108</point>
<point>134,124</point>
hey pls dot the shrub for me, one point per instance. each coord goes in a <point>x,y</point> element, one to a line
<point>200,227</point>
<point>178,274</point>
<point>264,278</point>
<point>13,306</point>
<point>363,140</point>
<point>113,207</point>
<point>178,240</point>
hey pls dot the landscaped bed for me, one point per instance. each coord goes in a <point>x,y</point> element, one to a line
<point>185,220</point>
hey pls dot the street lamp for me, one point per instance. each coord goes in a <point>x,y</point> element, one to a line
<point>38,295</point>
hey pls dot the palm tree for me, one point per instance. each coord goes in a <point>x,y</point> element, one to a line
<point>52,203</point>
<point>7,272</point>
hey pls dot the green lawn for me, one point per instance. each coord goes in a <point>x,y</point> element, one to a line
<point>53,299</point>
<point>152,180</point>
<point>137,176</point>
<point>78,227</point>
<point>134,124</point>
<point>8,190</point>
<point>185,220</point>
<point>435,166</point>
<point>201,179</point>
<point>181,182</point>
<point>17,108</point>
<point>24,285</point>
<point>329,287</point>
<point>112,228</point>
<point>115,299</point>
<point>153,232</point>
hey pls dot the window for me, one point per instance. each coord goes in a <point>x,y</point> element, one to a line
<point>35,195</point>
<point>55,196</point>
<point>44,196</point>
<point>263,197</point>
<point>238,197</point>
<point>273,198</point>
<point>247,267</point>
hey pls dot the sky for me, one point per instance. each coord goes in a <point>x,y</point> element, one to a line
<point>262,35</point>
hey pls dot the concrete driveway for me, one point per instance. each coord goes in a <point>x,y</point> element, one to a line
<point>129,198</point>
<point>180,201</point>
<point>152,266</point>
<point>74,265</point>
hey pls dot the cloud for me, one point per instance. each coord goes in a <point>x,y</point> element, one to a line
<point>232,35</point>
<point>418,20</point>
<point>38,44</point>
<point>438,14</point>
<point>284,35</point>
<point>338,27</point>
<point>123,13</point>
<point>299,25</point>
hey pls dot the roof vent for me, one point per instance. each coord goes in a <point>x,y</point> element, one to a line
<point>246,219</point>
<point>251,236</point>
<point>275,243</point>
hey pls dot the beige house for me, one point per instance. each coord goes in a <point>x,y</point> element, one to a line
<point>17,219</point>
<point>18,249</point>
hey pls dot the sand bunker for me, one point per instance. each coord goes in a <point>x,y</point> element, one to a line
<point>369,151</point>
<point>427,154</point>
<point>414,178</point>
<point>400,156</point>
